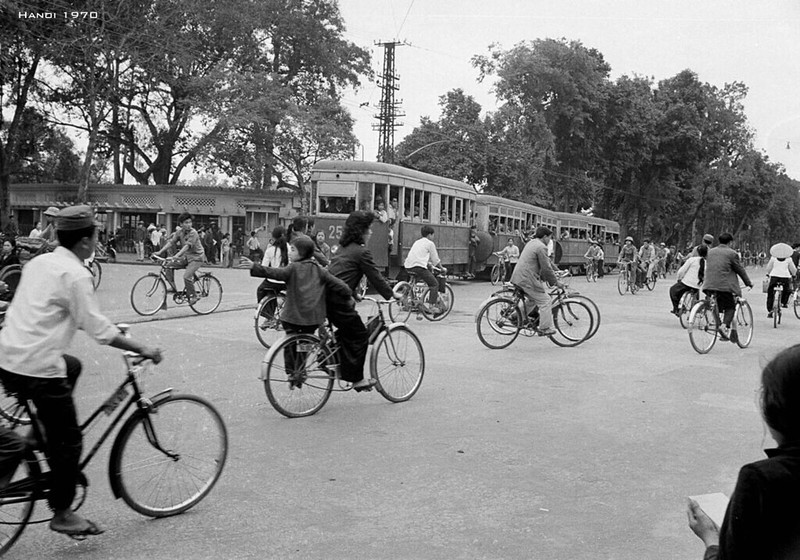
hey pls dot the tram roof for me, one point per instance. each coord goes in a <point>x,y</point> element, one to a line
<point>388,169</point>
<point>493,199</point>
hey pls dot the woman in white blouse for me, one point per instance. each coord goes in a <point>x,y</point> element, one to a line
<point>690,278</point>
<point>780,271</point>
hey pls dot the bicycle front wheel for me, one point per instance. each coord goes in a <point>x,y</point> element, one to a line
<point>446,299</point>
<point>497,272</point>
<point>593,309</point>
<point>167,459</point>
<point>622,283</point>
<point>17,501</point>
<point>573,321</point>
<point>298,376</point>
<point>499,323</point>
<point>148,295</point>
<point>651,281</point>
<point>97,273</point>
<point>268,320</point>
<point>744,324</point>
<point>703,328</point>
<point>209,294</point>
<point>397,362</point>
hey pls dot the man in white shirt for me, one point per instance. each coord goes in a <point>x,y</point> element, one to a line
<point>422,254</point>
<point>55,298</point>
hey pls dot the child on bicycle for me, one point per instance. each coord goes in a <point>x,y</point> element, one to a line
<point>55,298</point>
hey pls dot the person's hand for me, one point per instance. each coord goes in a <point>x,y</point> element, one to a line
<point>244,262</point>
<point>153,354</point>
<point>701,524</point>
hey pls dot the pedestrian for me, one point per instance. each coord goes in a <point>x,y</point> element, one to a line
<point>254,247</point>
<point>762,519</point>
<point>139,238</point>
<point>511,255</point>
<point>225,251</point>
<point>155,239</point>
<point>275,256</point>
<point>474,241</point>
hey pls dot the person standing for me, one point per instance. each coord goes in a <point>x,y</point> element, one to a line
<point>511,255</point>
<point>139,237</point>
<point>155,239</point>
<point>225,251</point>
<point>253,247</point>
<point>533,273</point>
<point>474,241</point>
<point>723,270</point>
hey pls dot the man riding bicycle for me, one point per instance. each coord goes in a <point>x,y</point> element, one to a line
<point>593,256</point>
<point>647,261</point>
<point>723,270</point>
<point>55,298</point>
<point>628,255</point>
<point>191,255</point>
<point>422,254</point>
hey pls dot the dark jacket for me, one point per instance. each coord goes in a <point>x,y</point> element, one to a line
<point>763,519</point>
<point>722,269</point>
<point>533,268</point>
<point>353,262</point>
<point>307,284</point>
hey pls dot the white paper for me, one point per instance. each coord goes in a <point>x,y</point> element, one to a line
<point>714,505</point>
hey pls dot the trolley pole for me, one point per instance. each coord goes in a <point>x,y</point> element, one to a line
<point>389,109</point>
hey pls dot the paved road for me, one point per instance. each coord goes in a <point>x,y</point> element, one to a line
<point>530,452</point>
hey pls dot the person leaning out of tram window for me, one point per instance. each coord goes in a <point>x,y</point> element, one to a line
<point>690,278</point>
<point>779,271</point>
<point>762,521</point>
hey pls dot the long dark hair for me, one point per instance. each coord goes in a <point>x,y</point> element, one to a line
<point>279,241</point>
<point>702,251</point>
<point>780,393</point>
<point>355,227</point>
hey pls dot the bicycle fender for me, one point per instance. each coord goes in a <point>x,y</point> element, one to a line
<point>113,479</point>
<point>268,356</point>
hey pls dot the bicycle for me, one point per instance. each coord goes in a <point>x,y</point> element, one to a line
<point>705,324</point>
<point>650,278</point>
<point>93,266</point>
<point>268,319</point>
<point>776,305</point>
<point>414,297</point>
<point>591,270</point>
<point>595,311</point>
<point>627,280</point>
<point>501,320</point>
<point>498,273</point>
<point>149,293</point>
<point>303,386</point>
<point>166,457</point>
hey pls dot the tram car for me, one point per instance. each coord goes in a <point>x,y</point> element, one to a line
<point>411,199</point>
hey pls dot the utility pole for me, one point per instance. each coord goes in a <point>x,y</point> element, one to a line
<point>389,109</point>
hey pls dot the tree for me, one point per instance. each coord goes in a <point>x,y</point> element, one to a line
<point>43,153</point>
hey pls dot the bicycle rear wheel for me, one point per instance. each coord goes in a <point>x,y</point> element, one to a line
<point>703,328</point>
<point>17,501</point>
<point>12,410</point>
<point>164,461</point>
<point>573,321</point>
<point>744,324</point>
<point>209,294</point>
<point>446,299</point>
<point>397,362</point>
<point>297,375</point>
<point>688,300</point>
<point>400,309</point>
<point>148,294</point>
<point>499,323</point>
<point>268,320</point>
<point>97,273</point>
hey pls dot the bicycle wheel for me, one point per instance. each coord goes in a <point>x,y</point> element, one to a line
<point>209,294</point>
<point>622,283</point>
<point>11,275</point>
<point>397,362</point>
<point>302,386</point>
<point>744,324</point>
<point>688,300</point>
<point>268,320</point>
<point>594,310</point>
<point>148,295</point>
<point>796,305</point>
<point>97,272</point>
<point>445,301</point>
<point>499,323</point>
<point>776,311</point>
<point>703,328</point>
<point>400,309</point>
<point>164,461</point>
<point>17,501</point>
<point>573,321</point>
<point>497,272</point>
<point>650,281</point>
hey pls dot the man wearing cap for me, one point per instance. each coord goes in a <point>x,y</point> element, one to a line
<point>723,270</point>
<point>55,299</point>
<point>647,260</point>
<point>49,232</point>
<point>190,256</point>
<point>708,240</point>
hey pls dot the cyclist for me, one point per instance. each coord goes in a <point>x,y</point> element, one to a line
<point>722,269</point>
<point>422,255</point>
<point>690,278</point>
<point>779,271</point>
<point>190,256</point>
<point>647,260</point>
<point>49,232</point>
<point>592,255</point>
<point>708,240</point>
<point>353,261</point>
<point>628,255</point>
<point>661,259</point>
<point>532,274</point>
<point>55,299</point>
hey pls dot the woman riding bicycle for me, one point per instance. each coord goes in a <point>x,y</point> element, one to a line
<point>780,271</point>
<point>353,261</point>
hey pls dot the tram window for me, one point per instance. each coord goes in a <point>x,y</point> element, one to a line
<point>459,211</point>
<point>425,209</point>
<point>337,204</point>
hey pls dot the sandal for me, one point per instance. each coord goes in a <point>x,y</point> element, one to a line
<point>370,383</point>
<point>91,529</point>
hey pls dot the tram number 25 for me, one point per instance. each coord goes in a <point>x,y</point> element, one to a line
<point>334,232</point>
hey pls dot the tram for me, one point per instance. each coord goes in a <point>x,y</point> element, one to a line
<point>412,199</point>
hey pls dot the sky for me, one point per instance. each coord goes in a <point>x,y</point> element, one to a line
<point>756,42</point>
